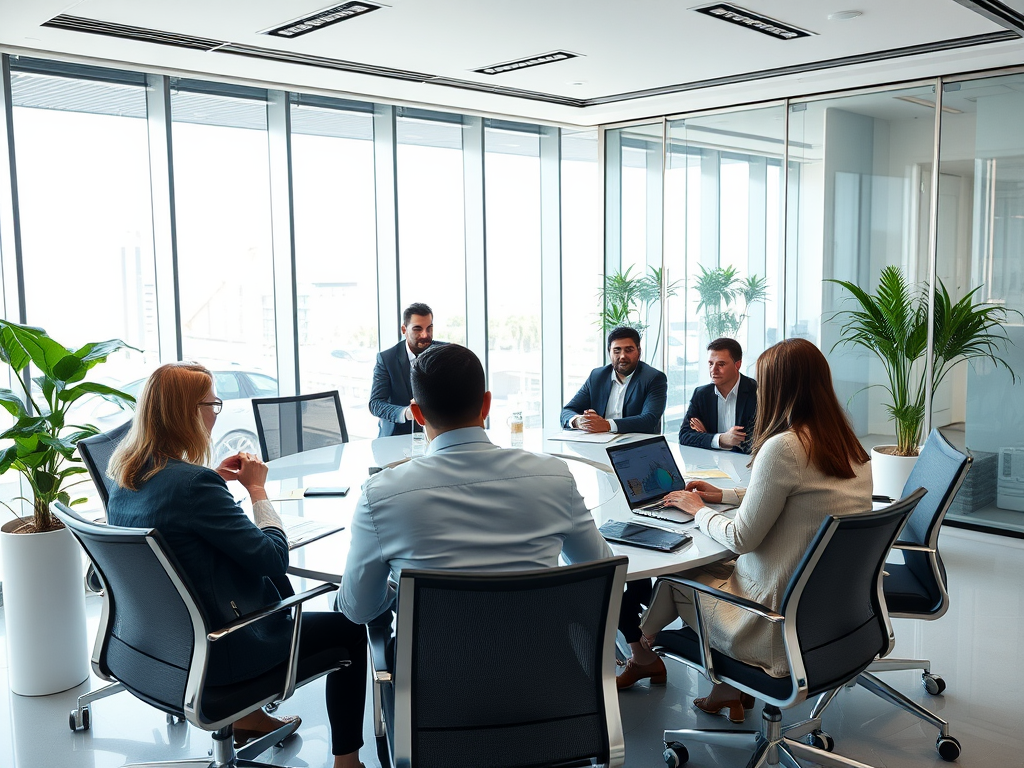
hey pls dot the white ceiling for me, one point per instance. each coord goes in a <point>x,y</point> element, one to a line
<point>624,47</point>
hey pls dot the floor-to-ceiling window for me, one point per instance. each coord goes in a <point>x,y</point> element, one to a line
<point>513,247</point>
<point>431,219</point>
<point>225,254</point>
<point>335,252</point>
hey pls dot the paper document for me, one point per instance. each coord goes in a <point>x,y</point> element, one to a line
<point>302,530</point>
<point>578,436</point>
<point>705,474</point>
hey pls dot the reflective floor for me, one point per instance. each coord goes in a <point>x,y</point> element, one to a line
<point>978,647</point>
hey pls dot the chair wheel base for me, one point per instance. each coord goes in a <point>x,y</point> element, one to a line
<point>933,683</point>
<point>79,719</point>
<point>821,740</point>
<point>948,748</point>
<point>675,755</point>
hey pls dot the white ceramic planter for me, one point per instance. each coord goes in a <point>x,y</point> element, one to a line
<point>44,609</point>
<point>889,473</point>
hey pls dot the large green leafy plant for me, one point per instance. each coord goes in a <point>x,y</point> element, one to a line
<point>893,324</point>
<point>630,301</point>
<point>42,446</point>
<point>721,292</point>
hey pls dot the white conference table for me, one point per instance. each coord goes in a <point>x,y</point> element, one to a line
<point>348,465</point>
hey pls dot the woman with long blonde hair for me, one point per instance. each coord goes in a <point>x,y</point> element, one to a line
<point>806,463</point>
<point>162,481</point>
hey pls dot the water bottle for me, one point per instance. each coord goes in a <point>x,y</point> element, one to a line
<point>515,422</point>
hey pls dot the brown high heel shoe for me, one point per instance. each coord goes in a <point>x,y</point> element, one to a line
<point>633,673</point>
<point>735,706</point>
<point>244,735</point>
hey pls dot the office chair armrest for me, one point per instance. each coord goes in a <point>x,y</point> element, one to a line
<point>906,546</point>
<point>740,602</point>
<point>378,637</point>
<point>282,605</point>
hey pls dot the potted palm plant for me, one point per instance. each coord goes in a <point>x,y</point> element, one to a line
<point>718,288</point>
<point>629,301</point>
<point>893,325</point>
<point>44,603</point>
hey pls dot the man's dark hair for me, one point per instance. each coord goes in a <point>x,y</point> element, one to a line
<point>623,333</point>
<point>419,308</point>
<point>727,345</point>
<point>448,385</point>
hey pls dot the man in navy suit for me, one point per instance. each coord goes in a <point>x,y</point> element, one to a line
<point>626,396</point>
<point>392,386</point>
<point>721,414</point>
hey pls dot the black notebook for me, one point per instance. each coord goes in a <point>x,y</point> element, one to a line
<point>638,535</point>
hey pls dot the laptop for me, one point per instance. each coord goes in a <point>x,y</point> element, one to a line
<point>647,472</point>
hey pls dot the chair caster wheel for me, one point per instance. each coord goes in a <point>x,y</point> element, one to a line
<point>948,748</point>
<point>78,720</point>
<point>675,755</point>
<point>821,740</point>
<point>933,683</point>
<point>271,708</point>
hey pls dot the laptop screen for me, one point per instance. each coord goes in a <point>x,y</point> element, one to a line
<point>646,470</point>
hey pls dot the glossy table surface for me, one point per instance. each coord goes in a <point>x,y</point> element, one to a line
<point>349,464</point>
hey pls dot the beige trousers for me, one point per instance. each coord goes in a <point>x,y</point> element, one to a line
<point>672,601</point>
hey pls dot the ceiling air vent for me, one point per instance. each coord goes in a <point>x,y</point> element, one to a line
<point>111,29</point>
<point>532,61</point>
<point>755,21</point>
<point>325,18</point>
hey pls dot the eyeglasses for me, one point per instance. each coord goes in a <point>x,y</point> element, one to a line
<point>216,405</point>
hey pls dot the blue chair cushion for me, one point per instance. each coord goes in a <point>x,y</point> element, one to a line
<point>905,593</point>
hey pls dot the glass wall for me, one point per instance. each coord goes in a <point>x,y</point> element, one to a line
<point>859,200</point>
<point>336,253</point>
<point>723,224</point>
<point>981,227</point>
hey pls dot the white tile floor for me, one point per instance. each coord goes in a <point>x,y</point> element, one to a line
<point>978,647</point>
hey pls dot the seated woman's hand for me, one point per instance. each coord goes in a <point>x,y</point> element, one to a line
<point>708,492</point>
<point>688,501</point>
<point>228,469</point>
<point>252,473</point>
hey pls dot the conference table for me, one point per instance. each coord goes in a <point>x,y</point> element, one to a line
<point>349,464</point>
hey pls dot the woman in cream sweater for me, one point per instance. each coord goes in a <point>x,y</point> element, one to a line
<point>806,463</point>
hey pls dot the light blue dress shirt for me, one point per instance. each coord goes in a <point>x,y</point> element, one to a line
<point>466,505</point>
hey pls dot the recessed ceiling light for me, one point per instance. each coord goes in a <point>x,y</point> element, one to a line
<point>532,61</point>
<point>844,15</point>
<point>577,83</point>
<point>322,18</point>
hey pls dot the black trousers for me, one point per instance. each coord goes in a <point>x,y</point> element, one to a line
<point>346,688</point>
<point>636,597</point>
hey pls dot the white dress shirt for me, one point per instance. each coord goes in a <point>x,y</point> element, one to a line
<point>726,412</point>
<point>616,400</point>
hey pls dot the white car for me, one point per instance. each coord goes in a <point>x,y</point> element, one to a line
<point>236,426</point>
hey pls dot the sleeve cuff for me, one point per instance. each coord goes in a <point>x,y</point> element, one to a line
<point>701,516</point>
<point>715,443</point>
<point>611,426</point>
<point>731,496</point>
<point>266,516</point>
<point>401,417</point>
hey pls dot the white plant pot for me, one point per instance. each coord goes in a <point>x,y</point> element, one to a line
<point>889,473</point>
<point>44,609</point>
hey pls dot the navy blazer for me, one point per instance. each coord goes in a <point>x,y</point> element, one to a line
<point>229,562</point>
<point>392,389</point>
<point>704,406</point>
<point>642,409</point>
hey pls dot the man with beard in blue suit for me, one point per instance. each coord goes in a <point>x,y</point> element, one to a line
<point>391,392</point>
<point>626,396</point>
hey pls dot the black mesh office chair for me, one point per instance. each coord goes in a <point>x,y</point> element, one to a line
<point>155,640</point>
<point>512,629</point>
<point>288,425</point>
<point>833,623</point>
<point>96,452</point>
<point>916,588</point>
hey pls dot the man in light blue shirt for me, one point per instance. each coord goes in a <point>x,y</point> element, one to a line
<point>466,505</point>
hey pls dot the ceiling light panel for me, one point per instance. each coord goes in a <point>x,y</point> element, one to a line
<point>755,21</point>
<point>323,18</point>
<point>532,61</point>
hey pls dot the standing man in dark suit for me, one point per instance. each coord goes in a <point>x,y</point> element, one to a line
<point>626,396</point>
<point>392,386</point>
<point>721,414</point>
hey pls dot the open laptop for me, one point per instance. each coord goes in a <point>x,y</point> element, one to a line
<point>647,471</point>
